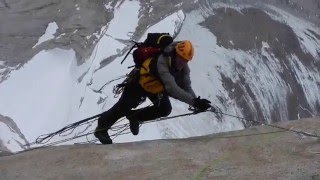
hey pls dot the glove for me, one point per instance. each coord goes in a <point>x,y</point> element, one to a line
<point>201,104</point>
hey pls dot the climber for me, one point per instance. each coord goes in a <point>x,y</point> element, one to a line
<point>159,77</point>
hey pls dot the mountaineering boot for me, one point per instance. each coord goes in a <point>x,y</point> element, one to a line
<point>102,135</point>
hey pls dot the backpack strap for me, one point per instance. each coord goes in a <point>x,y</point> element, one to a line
<point>170,61</point>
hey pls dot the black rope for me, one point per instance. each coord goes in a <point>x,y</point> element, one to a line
<point>42,139</point>
<point>275,126</point>
<point>119,129</point>
<point>170,117</point>
<point>122,128</point>
<point>218,111</point>
<point>72,126</point>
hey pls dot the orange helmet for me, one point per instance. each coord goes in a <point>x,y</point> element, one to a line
<point>185,50</point>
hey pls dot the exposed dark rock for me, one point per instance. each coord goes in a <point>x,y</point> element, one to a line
<point>247,30</point>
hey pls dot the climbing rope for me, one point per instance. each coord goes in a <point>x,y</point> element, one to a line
<point>274,126</point>
<point>122,129</point>
<point>42,139</point>
<point>118,129</point>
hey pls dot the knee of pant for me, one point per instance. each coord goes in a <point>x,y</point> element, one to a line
<point>166,110</point>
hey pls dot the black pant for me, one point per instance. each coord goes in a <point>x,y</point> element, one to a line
<point>130,98</point>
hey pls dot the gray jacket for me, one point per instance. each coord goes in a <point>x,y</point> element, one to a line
<point>178,86</point>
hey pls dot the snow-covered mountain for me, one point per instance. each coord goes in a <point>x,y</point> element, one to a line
<point>253,60</point>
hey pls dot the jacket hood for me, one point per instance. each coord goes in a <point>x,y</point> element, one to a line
<point>170,47</point>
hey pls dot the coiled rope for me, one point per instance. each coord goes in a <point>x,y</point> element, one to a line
<point>122,129</point>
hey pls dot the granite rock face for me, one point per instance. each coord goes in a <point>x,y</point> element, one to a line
<point>256,153</point>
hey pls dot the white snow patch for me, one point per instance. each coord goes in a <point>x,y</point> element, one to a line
<point>61,35</point>
<point>265,45</point>
<point>49,34</point>
<point>77,7</point>
<point>37,96</point>
<point>210,7</point>
<point>171,24</point>
<point>125,20</point>
<point>108,6</point>
<point>178,5</point>
<point>150,10</point>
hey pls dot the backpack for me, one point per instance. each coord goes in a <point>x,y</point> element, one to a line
<point>145,51</point>
<point>151,47</point>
